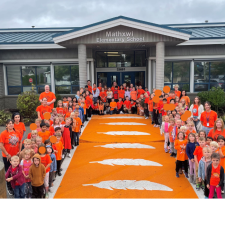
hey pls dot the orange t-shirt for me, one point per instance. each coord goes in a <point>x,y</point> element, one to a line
<point>112,105</point>
<point>210,116</point>
<point>181,153</point>
<point>62,141</point>
<point>119,104</point>
<point>222,160</point>
<point>90,88</point>
<point>168,100</point>
<point>88,101</point>
<point>51,130</point>
<point>60,110</point>
<point>43,109</point>
<point>100,89</point>
<point>170,130</point>
<point>103,96</point>
<point>150,103</point>
<point>76,124</point>
<point>215,134</point>
<point>188,132</point>
<point>187,100</point>
<point>65,104</point>
<point>50,96</point>
<point>133,95</point>
<point>198,152</point>
<point>44,135</point>
<point>45,160</point>
<point>140,92</point>
<point>58,147</point>
<point>20,128</point>
<point>215,176</point>
<point>11,142</point>
<point>121,94</point>
<point>127,104</point>
<point>177,93</point>
<point>67,115</point>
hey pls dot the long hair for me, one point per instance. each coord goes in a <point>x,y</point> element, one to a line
<point>215,128</point>
<point>199,101</point>
<point>7,122</point>
<point>16,114</point>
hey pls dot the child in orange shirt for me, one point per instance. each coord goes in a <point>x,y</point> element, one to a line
<point>70,110</point>
<point>59,108</point>
<point>150,107</point>
<point>198,154</point>
<point>58,149</point>
<point>65,102</point>
<point>44,134</point>
<point>113,107</point>
<point>182,158</point>
<point>101,108</point>
<point>76,128</point>
<point>38,122</point>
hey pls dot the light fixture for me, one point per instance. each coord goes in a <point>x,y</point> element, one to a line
<point>111,53</point>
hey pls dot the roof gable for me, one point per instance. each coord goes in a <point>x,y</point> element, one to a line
<point>124,21</point>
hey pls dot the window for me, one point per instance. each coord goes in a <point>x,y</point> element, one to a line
<point>177,73</point>
<point>66,79</point>
<point>121,59</point>
<point>140,79</point>
<point>22,78</point>
<point>102,78</point>
<point>208,75</point>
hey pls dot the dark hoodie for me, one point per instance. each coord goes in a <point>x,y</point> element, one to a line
<point>37,173</point>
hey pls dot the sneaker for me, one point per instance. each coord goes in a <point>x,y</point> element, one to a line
<point>222,192</point>
<point>50,190</point>
<point>61,169</point>
<point>172,154</point>
<point>46,195</point>
<point>203,187</point>
<point>197,187</point>
<point>146,118</point>
<point>59,174</point>
<point>155,125</point>
<point>166,150</point>
<point>10,191</point>
<point>186,175</point>
<point>177,175</point>
<point>69,155</point>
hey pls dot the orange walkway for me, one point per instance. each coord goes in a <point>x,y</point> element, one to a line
<point>82,173</point>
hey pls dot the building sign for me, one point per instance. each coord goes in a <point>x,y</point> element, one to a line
<point>120,37</point>
<point>121,69</point>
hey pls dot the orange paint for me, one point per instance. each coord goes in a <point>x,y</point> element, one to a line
<point>166,89</point>
<point>81,171</point>
<point>47,116</point>
<point>53,139</point>
<point>158,93</point>
<point>33,126</point>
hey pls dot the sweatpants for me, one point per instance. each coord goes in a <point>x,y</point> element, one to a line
<point>160,119</point>
<point>166,137</point>
<point>146,112</point>
<point>7,164</point>
<point>212,190</point>
<point>179,165</point>
<point>58,165</point>
<point>155,116</point>
<point>206,193</point>
<point>38,192</point>
<point>172,149</point>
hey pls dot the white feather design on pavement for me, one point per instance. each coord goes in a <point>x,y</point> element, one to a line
<point>125,145</point>
<point>131,185</point>
<point>128,162</point>
<point>124,133</point>
<point>125,123</point>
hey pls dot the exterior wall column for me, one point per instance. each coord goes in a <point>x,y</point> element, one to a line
<point>160,55</point>
<point>149,75</point>
<point>153,73</point>
<point>82,58</point>
<point>92,72</point>
<point>88,71</point>
<point>192,76</point>
<point>2,181</point>
<point>52,78</point>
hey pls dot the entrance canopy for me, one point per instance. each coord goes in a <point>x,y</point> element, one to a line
<point>121,32</point>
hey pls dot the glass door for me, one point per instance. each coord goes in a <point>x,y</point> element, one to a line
<point>128,78</point>
<point>113,77</point>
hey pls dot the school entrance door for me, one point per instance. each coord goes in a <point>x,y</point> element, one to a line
<point>135,78</point>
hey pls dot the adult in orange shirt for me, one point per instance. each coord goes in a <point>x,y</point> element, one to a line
<point>140,91</point>
<point>49,95</point>
<point>89,86</point>
<point>113,107</point>
<point>127,107</point>
<point>42,109</point>
<point>182,158</point>
<point>171,96</point>
<point>217,130</point>
<point>18,124</point>
<point>100,87</point>
<point>133,94</point>
<point>185,97</point>
<point>208,118</point>
<point>176,91</point>
<point>89,103</point>
<point>10,144</point>
<point>76,130</point>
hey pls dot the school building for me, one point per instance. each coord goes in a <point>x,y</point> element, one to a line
<point>120,49</point>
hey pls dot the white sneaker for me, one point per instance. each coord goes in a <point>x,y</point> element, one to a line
<point>155,125</point>
<point>121,112</point>
<point>50,190</point>
<point>146,118</point>
<point>63,156</point>
<point>69,155</point>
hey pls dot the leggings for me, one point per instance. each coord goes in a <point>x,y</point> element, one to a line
<point>155,116</point>
<point>166,136</point>
<point>179,165</point>
<point>58,165</point>
<point>192,167</point>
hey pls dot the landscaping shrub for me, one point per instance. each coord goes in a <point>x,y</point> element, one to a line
<point>27,103</point>
<point>4,116</point>
<point>58,97</point>
<point>216,96</point>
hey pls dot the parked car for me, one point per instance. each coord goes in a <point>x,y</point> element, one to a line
<point>202,85</point>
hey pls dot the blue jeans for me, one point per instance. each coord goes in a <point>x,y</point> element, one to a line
<point>207,129</point>
<point>95,99</point>
<point>19,191</point>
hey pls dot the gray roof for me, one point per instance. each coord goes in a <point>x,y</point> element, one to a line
<point>45,35</point>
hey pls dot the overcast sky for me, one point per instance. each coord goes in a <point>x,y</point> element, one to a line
<point>75,13</point>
